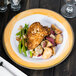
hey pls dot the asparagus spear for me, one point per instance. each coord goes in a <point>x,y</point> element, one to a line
<point>18,34</point>
<point>23,42</point>
<point>19,47</point>
<point>30,53</point>
<point>26,28</point>
<point>24,50</point>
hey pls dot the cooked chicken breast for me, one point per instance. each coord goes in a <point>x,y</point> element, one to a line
<point>35,34</point>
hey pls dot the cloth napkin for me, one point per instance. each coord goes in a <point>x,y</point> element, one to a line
<point>9,70</point>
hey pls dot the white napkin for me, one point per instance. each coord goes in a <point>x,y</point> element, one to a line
<point>9,69</point>
<point>4,72</point>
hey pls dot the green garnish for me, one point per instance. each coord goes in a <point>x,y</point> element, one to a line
<point>23,42</point>
<point>17,34</point>
<point>26,26</point>
<point>21,46</point>
<point>24,50</point>
<point>30,53</point>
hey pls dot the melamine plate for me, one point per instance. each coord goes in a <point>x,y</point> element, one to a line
<point>46,18</point>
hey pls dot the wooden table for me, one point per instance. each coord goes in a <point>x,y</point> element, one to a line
<point>67,67</point>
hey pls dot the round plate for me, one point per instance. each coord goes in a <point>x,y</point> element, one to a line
<point>37,15</point>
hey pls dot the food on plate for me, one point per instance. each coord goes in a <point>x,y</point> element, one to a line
<point>18,38</point>
<point>47,29</point>
<point>48,43</point>
<point>56,29</point>
<point>36,34</point>
<point>53,49</point>
<point>47,53</point>
<point>38,51</point>
<point>43,44</point>
<point>39,40</point>
<point>51,40</point>
<point>59,39</point>
<point>52,36</point>
<point>22,38</point>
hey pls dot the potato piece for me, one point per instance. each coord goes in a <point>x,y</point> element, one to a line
<point>47,53</point>
<point>53,36</point>
<point>57,30</point>
<point>43,44</point>
<point>38,50</point>
<point>59,39</point>
<point>18,38</point>
<point>54,48</point>
<point>49,44</point>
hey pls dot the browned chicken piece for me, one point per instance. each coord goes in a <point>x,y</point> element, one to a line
<point>35,34</point>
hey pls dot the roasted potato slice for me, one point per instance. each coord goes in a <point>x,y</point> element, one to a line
<point>38,50</point>
<point>49,44</point>
<point>54,48</point>
<point>43,44</point>
<point>57,30</point>
<point>18,38</point>
<point>59,39</point>
<point>53,36</point>
<point>47,53</point>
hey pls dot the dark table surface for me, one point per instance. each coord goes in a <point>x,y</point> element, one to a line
<point>67,67</point>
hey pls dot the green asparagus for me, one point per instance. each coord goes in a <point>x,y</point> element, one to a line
<point>23,42</point>
<point>30,53</point>
<point>21,46</point>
